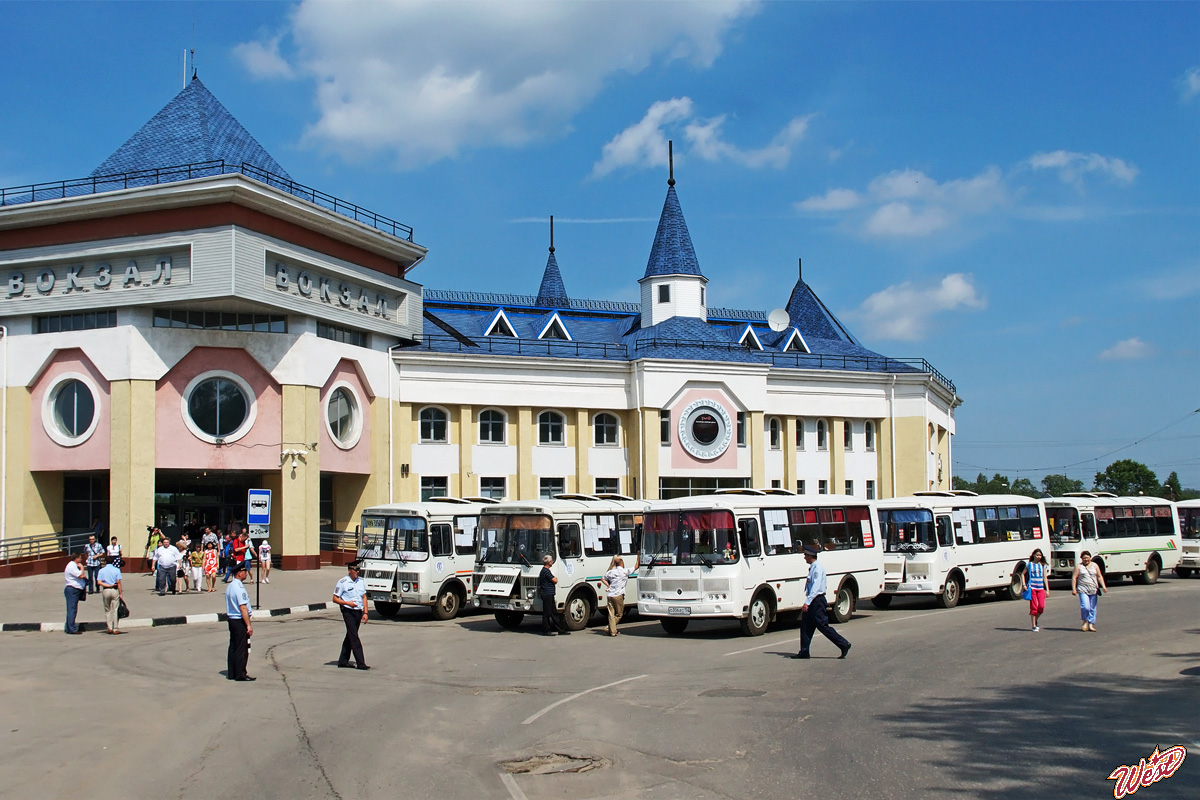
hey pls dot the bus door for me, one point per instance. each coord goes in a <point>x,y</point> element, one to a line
<point>1087,521</point>
<point>752,552</point>
<point>962,520</point>
<point>945,538</point>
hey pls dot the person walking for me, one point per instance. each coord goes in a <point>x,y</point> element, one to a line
<point>74,590</point>
<point>264,560</point>
<point>196,567</point>
<point>552,624</point>
<point>1039,590</point>
<point>153,540</point>
<point>92,551</point>
<point>111,591</point>
<point>113,551</point>
<point>814,611</point>
<point>1087,582</point>
<point>227,556</point>
<point>237,609</point>
<point>211,562</point>
<point>166,565</point>
<point>351,594</point>
<point>614,585</point>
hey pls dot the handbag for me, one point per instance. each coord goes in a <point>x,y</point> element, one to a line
<point>1027,593</point>
<point>122,609</point>
<point>81,593</point>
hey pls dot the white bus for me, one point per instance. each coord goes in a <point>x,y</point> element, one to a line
<point>1189,526</point>
<point>945,544</point>
<point>420,554</point>
<point>1136,536</point>
<point>740,555</point>
<point>582,532</point>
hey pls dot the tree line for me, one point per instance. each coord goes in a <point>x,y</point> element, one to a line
<point>1126,477</point>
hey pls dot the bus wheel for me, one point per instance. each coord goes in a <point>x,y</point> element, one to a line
<point>447,605</point>
<point>1014,589</point>
<point>674,625</point>
<point>578,612</point>
<point>756,621</point>
<point>843,605</point>
<point>387,610</point>
<point>510,620</point>
<point>1183,572</point>
<point>1150,574</point>
<point>881,601</point>
<point>950,595</point>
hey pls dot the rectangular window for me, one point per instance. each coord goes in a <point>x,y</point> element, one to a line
<point>610,534</point>
<point>340,334</point>
<point>850,488</point>
<point>441,540</point>
<point>669,488</point>
<point>848,435</point>
<point>569,543</point>
<point>433,487</point>
<point>219,321</point>
<point>664,293</point>
<point>548,487</point>
<point>870,490</point>
<point>608,485</point>
<point>664,427</point>
<point>822,487</point>
<point>776,484</point>
<point>741,428</point>
<point>83,321</point>
<point>800,487</point>
<point>495,488</point>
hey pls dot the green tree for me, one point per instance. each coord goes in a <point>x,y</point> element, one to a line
<point>1128,477</point>
<point>1024,486</point>
<point>1059,485</point>
<point>1172,489</point>
<point>997,484</point>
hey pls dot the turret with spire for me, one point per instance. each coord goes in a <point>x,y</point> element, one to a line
<point>552,292</point>
<point>673,285</point>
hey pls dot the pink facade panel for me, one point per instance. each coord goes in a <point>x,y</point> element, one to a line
<point>681,458</point>
<point>92,452</point>
<point>178,447</point>
<point>355,458</point>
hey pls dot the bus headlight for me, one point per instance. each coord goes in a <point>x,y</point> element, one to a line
<point>648,596</point>
<point>405,587</point>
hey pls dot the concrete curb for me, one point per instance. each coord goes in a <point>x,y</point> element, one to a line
<point>157,622</point>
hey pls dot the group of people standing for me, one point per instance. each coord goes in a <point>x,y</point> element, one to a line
<point>81,581</point>
<point>1087,583</point>
<point>186,565</point>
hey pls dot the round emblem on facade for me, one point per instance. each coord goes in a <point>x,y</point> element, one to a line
<point>705,429</point>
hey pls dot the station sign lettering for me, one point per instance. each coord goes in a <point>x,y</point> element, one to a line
<point>113,274</point>
<point>335,291</point>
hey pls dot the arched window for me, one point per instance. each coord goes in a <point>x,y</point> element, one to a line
<point>551,428</point>
<point>606,427</point>
<point>848,434</point>
<point>869,429</point>
<point>800,435</point>
<point>773,434</point>
<point>493,427</point>
<point>433,425</point>
<point>822,437</point>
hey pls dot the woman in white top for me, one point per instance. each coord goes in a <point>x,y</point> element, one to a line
<point>264,560</point>
<point>114,553</point>
<point>1088,583</point>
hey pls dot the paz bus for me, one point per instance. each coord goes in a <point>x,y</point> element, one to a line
<point>739,555</point>
<point>420,554</point>
<point>945,544</point>
<point>1189,525</point>
<point>1136,536</point>
<point>582,532</point>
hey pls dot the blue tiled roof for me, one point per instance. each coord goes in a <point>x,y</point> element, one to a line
<point>192,128</point>
<point>672,253</point>
<point>814,320</point>
<point>552,292</point>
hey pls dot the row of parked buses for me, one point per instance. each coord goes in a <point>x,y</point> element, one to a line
<point>738,554</point>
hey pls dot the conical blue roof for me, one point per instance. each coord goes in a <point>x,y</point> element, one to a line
<point>809,314</point>
<point>552,292</point>
<point>672,253</point>
<point>192,128</point>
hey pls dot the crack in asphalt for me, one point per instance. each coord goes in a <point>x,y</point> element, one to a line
<point>302,732</point>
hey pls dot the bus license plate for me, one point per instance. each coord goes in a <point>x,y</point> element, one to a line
<point>502,606</point>
<point>679,611</point>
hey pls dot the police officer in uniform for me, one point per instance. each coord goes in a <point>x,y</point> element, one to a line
<point>814,617</point>
<point>237,609</point>
<point>351,594</point>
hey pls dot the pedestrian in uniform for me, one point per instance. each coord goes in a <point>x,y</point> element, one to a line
<point>614,584</point>
<point>815,607</point>
<point>93,551</point>
<point>351,594</point>
<point>552,624</point>
<point>237,608</point>
<point>75,588</point>
<point>111,590</point>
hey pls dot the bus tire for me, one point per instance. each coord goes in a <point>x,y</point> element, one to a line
<point>1016,585</point>
<point>759,616</point>
<point>881,601</point>
<point>448,604</point>
<point>843,604</point>
<point>674,625</point>
<point>1149,575</point>
<point>387,609</point>
<point>1183,572</point>
<point>509,620</point>
<point>578,611</point>
<point>952,592</point>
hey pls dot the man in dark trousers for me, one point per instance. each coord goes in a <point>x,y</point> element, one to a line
<point>552,624</point>
<point>237,608</point>
<point>351,594</point>
<point>815,606</point>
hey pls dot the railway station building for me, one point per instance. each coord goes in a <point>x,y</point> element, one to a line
<point>189,322</point>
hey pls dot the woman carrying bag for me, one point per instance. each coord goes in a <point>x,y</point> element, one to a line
<point>1087,582</point>
<point>1036,588</point>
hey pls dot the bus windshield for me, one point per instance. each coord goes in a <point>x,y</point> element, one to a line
<point>395,538</point>
<point>689,537</point>
<point>907,530</point>
<point>520,539</point>
<point>370,540</point>
<point>1189,522</point>
<point>1064,524</point>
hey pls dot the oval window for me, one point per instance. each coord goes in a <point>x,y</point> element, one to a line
<point>218,407</point>
<point>74,408</point>
<point>342,417</point>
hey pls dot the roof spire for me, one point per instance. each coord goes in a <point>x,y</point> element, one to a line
<point>800,269</point>
<point>551,233</point>
<point>670,163</point>
<point>552,292</point>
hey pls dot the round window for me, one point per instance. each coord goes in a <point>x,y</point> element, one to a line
<point>218,407</point>
<point>705,429</point>
<point>342,417</point>
<point>70,411</point>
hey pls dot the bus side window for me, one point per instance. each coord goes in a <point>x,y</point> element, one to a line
<point>748,537</point>
<point>1089,526</point>
<point>945,533</point>
<point>569,543</point>
<point>441,540</point>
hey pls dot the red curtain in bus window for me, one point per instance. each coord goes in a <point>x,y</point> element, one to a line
<point>839,515</point>
<point>1144,511</point>
<point>707,520</point>
<point>807,516</point>
<point>1162,511</point>
<point>826,514</point>
<point>1104,513</point>
<point>857,516</point>
<point>661,521</point>
<point>1124,511</point>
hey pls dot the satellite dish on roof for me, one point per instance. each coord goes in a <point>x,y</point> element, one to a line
<point>778,320</point>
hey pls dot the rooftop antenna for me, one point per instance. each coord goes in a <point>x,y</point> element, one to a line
<point>193,52</point>
<point>185,68</point>
<point>800,269</point>
<point>670,163</point>
<point>551,233</point>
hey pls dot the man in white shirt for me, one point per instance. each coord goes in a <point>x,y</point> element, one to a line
<point>351,594</point>
<point>237,612</point>
<point>614,582</point>
<point>75,588</point>
<point>814,616</point>
<point>166,562</point>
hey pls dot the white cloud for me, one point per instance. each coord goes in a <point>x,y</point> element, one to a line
<point>644,143</point>
<point>1128,349</point>
<point>262,59</point>
<point>425,79</point>
<point>1189,85</point>
<point>1172,285</point>
<point>1073,166</point>
<point>905,311</point>
<point>833,200</point>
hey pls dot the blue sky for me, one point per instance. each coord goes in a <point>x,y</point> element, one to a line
<point>1010,190</point>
